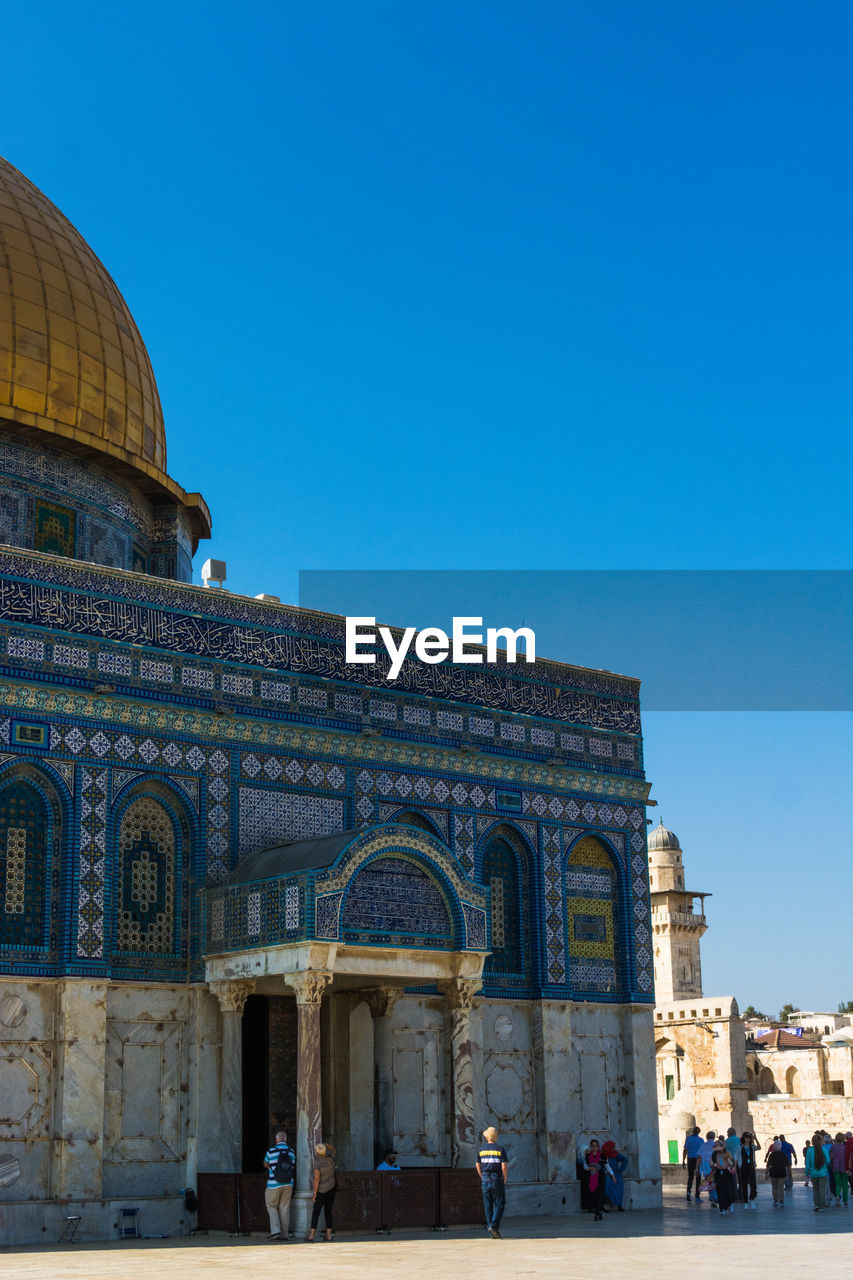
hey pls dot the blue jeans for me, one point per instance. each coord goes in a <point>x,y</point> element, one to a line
<point>494,1200</point>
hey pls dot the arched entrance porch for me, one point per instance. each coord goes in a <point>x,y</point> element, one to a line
<point>375,913</point>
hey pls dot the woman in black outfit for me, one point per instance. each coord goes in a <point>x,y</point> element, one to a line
<point>325,1186</point>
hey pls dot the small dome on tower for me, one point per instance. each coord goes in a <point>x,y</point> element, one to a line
<point>663,838</point>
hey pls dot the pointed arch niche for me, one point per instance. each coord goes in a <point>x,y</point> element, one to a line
<point>592,919</point>
<point>504,873</point>
<point>152,843</point>
<point>30,857</point>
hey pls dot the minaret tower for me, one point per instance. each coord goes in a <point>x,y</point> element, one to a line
<point>677,925</point>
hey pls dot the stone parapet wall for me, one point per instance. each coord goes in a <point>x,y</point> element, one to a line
<point>798,1118</point>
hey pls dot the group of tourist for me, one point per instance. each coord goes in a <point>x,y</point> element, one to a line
<point>280,1164</point>
<point>725,1168</point>
<point>601,1169</point>
<point>829,1168</point>
<point>722,1167</point>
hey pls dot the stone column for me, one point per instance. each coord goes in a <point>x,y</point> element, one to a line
<point>232,997</point>
<point>380,1001</point>
<point>81,1062</point>
<point>308,988</point>
<point>460,994</point>
<point>643,1174</point>
<point>557,1089</point>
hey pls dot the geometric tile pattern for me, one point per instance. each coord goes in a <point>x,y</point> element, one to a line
<point>463,842</point>
<point>92,863</point>
<point>555,928</point>
<point>392,901</point>
<point>269,817</point>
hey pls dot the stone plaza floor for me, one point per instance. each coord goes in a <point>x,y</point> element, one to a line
<point>682,1239</point>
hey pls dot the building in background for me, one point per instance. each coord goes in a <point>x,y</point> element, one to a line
<point>715,1070</point>
<point>246,886</point>
<point>700,1041</point>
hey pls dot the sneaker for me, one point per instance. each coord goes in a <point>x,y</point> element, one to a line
<point>493,1232</point>
<point>276,1235</point>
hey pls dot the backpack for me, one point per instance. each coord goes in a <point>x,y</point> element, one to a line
<point>282,1170</point>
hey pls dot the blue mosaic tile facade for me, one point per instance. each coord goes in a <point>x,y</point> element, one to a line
<point>165,732</point>
<point>55,503</point>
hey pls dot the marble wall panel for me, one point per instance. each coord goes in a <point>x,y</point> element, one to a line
<point>145,1096</point>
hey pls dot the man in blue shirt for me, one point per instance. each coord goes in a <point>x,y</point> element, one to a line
<point>389,1163</point>
<point>492,1168</point>
<point>280,1163</point>
<point>690,1157</point>
<point>790,1160</point>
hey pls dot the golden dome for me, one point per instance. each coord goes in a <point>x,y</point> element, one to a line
<point>72,361</point>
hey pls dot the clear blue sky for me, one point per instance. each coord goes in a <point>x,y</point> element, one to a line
<point>499,285</point>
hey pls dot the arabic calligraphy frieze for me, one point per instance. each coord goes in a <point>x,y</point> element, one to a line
<point>225,641</point>
<point>223,606</point>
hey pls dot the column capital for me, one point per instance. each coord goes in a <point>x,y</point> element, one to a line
<point>309,986</point>
<point>460,993</point>
<point>381,1000</point>
<point>232,996</point>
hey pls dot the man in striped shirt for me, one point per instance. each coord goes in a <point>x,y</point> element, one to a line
<point>280,1163</point>
<point>492,1168</point>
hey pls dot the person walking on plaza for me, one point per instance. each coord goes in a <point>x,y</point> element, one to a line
<point>838,1169</point>
<point>325,1186</point>
<point>791,1156</point>
<point>690,1156</point>
<point>280,1163</point>
<point>724,1178</point>
<point>732,1145</point>
<point>614,1182</point>
<point>492,1165</point>
<point>777,1169</point>
<point>705,1167</point>
<point>746,1167</point>
<point>805,1153</point>
<point>817,1170</point>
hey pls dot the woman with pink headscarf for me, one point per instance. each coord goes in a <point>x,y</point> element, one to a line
<point>595,1165</point>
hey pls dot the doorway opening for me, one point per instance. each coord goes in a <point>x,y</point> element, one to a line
<point>269,1075</point>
